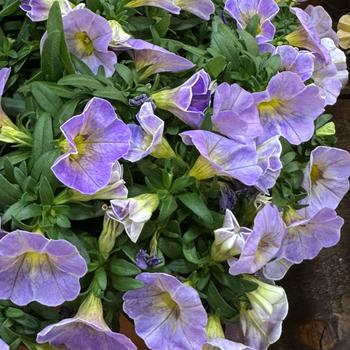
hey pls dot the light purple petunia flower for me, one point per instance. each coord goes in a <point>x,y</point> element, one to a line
<point>244,10</point>
<point>222,156</point>
<point>134,212</point>
<point>261,320</point>
<point>235,112</point>
<point>87,330</point>
<point>88,36</point>
<point>322,22</point>
<point>34,268</point>
<point>269,153</point>
<point>262,245</point>
<point>4,119</point>
<point>306,35</point>
<point>230,239</point>
<point>283,109</point>
<point>224,344</point>
<point>3,345</point>
<point>188,101</point>
<point>38,10</point>
<point>167,314</point>
<point>297,61</point>
<point>275,270</point>
<point>305,237</point>
<point>146,136</point>
<point>326,178</point>
<point>152,59</point>
<point>95,140</point>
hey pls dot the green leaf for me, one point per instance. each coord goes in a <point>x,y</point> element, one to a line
<point>123,267</point>
<point>81,81</point>
<point>196,204</point>
<point>181,266</point>
<point>190,253</point>
<point>101,278</point>
<point>112,94</point>
<point>45,98</point>
<point>216,66</point>
<point>124,284</point>
<point>249,42</point>
<point>45,192</point>
<point>170,248</point>
<point>167,207</point>
<point>9,193</point>
<point>42,136</point>
<point>10,9</point>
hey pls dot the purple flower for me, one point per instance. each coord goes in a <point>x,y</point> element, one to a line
<point>188,101</point>
<point>145,261</point>
<point>230,239</point>
<point>305,237</point>
<point>167,314</point>
<point>306,35</point>
<point>3,345</point>
<point>283,109</point>
<point>34,268</point>
<point>262,245</point>
<point>322,22</point>
<point>146,137</point>
<point>4,119</point>
<point>153,59</point>
<point>261,318</point>
<point>296,61</point>
<point>275,270</point>
<point>95,140</point>
<point>133,213</point>
<point>87,330</point>
<point>38,10</point>
<point>222,156</point>
<point>168,5</point>
<point>235,112</point>
<point>88,36</point>
<point>269,153</point>
<point>244,10</point>
<point>326,178</point>
<point>224,344</point>
<point>325,78</point>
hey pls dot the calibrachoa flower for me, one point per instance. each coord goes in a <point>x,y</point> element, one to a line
<point>229,239</point>
<point>235,112</point>
<point>34,268</point>
<point>269,153</point>
<point>38,10</point>
<point>87,330</point>
<point>4,119</point>
<point>261,321</point>
<point>167,314</point>
<point>188,101</point>
<point>244,10</point>
<point>305,237</point>
<point>306,35</point>
<point>275,270</point>
<point>297,61</point>
<point>133,213</point>
<point>88,36</point>
<point>262,244</point>
<point>3,345</point>
<point>153,59</point>
<point>95,140</point>
<point>146,137</point>
<point>283,109</point>
<point>222,156</point>
<point>224,344</point>
<point>326,178</point>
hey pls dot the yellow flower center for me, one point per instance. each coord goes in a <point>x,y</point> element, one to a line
<point>84,43</point>
<point>315,173</point>
<point>269,107</point>
<point>35,260</point>
<point>170,303</point>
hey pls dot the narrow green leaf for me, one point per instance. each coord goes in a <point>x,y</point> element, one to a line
<point>195,203</point>
<point>122,267</point>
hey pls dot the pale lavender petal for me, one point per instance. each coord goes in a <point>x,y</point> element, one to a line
<point>201,8</point>
<point>277,269</point>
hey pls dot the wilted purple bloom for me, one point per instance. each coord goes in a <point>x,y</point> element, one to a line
<point>283,109</point>
<point>224,344</point>
<point>326,178</point>
<point>322,22</point>
<point>88,36</point>
<point>222,156</point>
<point>133,213</point>
<point>306,35</point>
<point>325,77</point>
<point>201,8</point>
<point>296,61</point>
<point>95,140</point>
<point>34,268</point>
<point>235,112</point>
<point>145,260</point>
<point>188,101</point>
<point>87,330</point>
<point>228,197</point>
<point>167,314</point>
<point>230,239</point>
<point>275,270</point>
<point>3,345</point>
<point>305,237</point>
<point>244,10</point>
<point>146,137</point>
<point>153,59</point>
<point>261,319</point>
<point>269,153</point>
<point>38,10</point>
<point>262,245</point>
